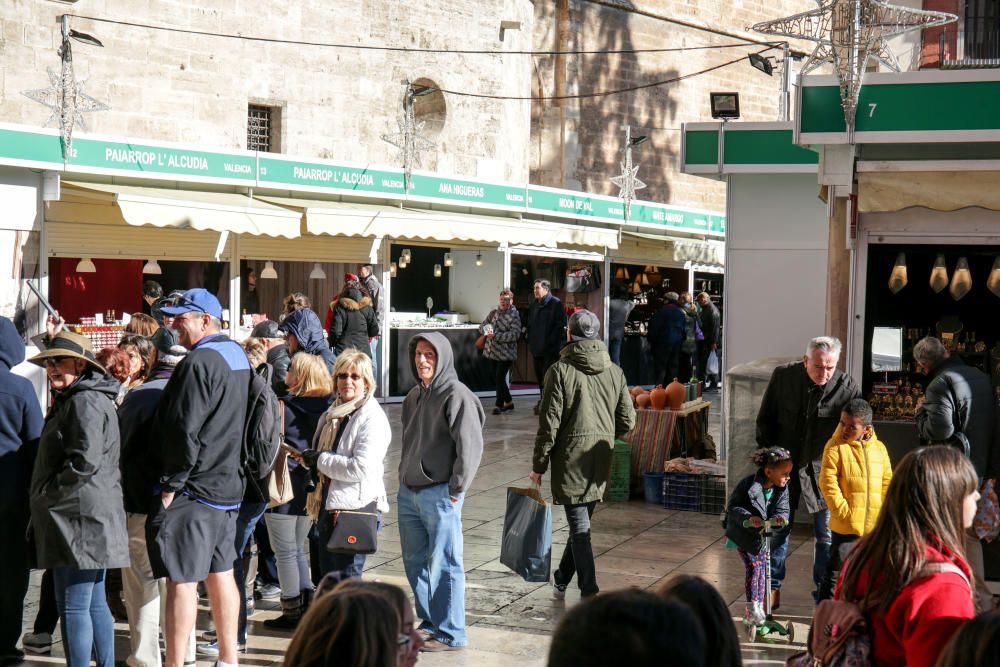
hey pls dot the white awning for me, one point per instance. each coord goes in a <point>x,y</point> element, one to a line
<point>881,192</point>
<point>190,209</point>
<point>660,250</point>
<point>349,219</point>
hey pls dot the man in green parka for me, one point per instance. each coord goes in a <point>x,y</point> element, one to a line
<point>585,406</point>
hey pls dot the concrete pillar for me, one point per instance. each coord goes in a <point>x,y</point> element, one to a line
<point>838,284</point>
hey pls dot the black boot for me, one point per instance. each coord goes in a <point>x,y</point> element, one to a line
<point>291,613</point>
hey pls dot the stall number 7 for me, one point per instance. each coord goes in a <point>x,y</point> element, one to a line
<point>872,106</point>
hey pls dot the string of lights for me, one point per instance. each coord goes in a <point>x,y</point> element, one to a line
<point>407,49</point>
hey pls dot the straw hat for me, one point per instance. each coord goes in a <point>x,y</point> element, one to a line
<point>67,344</point>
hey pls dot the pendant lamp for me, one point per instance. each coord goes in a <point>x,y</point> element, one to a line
<point>939,274</point>
<point>961,280</point>
<point>152,267</point>
<point>317,273</point>
<point>392,269</point>
<point>448,259</point>
<point>993,282</point>
<point>86,265</point>
<point>897,279</point>
<point>269,273</point>
<point>437,270</point>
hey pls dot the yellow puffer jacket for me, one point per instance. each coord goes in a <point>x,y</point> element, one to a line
<point>854,478</point>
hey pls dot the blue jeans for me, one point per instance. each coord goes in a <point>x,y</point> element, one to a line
<point>246,521</point>
<point>779,549</point>
<point>615,350</point>
<point>430,533</point>
<point>85,619</point>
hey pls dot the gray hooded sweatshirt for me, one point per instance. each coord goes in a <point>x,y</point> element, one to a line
<point>442,426</point>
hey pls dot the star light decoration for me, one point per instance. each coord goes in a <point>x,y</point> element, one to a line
<point>849,33</point>
<point>409,140</point>
<point>628,181</point>
<point>65,96</point>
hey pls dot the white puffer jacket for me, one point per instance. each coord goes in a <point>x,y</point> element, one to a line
<point>357,467</point>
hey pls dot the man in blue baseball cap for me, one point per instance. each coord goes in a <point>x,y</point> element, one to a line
<point>192,534</point>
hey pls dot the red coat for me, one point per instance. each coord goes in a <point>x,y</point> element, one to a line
<point>923,617</point>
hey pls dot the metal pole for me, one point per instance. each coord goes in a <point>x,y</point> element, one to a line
<point>786,85</point>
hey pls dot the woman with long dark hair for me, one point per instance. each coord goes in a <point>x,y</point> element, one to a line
<point>909,575</point>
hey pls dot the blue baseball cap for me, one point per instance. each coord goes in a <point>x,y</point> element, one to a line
<point>195,300</point>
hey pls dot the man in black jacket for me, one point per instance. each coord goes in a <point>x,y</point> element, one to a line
<point>546,331</point>
<point>199,423</point>
<point>959,409</point>
<point>277,353</point>
<point>800,411</point>
<point>711,328</point>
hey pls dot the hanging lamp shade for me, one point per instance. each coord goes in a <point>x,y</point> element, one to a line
<point>993,282</point>
<point>961,280</point>
<point>939,274</point>
<point>86,265</point>
<point>317,273</point>
<point>392,269</point>
<point>152,267</point>
<point>448,259</point>
<point>437,270</point>
<point>269,273</point>
<point>897,279</point>
<point>479,259</point>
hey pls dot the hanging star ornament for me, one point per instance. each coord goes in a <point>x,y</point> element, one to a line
<point>66,99</point>
<point>628,181</point>
<point>408,140</point>
<point>848,34</point>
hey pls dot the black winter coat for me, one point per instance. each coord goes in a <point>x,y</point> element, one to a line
<point>746,501</point>
<point>280,360</point>
<point>800,416</point>
<point>76,496</point>
<point>354,322</point>
<point>302,415</point>
<point>959,398</point>
<point>711,323</point>
<point>141,463</point>
<point>546,326</point>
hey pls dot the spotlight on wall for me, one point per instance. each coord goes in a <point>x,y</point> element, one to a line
<point>152,267</point>
<point>86,265</point>
<point>961,280</point>
<point>392,269</point>
<point>939,274</point>
<point>897,279</point>
<point>761,63</point>
<point>635,141</point>
<point>268,273</point>
<point>479,259</point>
<point>725,105</point>
<point>437,270</point>
<point>993,282</point>
<point>317,273</point>
<point>448,259</point>
<point>84,38</point>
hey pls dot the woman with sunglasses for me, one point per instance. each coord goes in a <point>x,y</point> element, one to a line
<point>348,454</point>
<point>77,514</point>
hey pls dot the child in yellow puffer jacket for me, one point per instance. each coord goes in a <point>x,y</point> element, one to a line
<point>853,478</point>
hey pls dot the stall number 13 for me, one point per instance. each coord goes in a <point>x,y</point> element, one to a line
<point>872,106</point>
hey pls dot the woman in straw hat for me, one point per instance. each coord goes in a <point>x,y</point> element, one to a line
<point>77,517</point>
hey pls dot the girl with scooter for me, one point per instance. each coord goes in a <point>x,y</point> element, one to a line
<point>758,502</point>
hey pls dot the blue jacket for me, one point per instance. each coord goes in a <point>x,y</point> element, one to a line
<point>667,328</point>
<point>20,420</point>
<point>747,500</point>
<point>304,324</point>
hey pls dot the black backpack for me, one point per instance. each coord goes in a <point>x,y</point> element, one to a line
<point>261,434</point>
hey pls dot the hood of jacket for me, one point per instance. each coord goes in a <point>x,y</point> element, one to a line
<point>354,304</point>
<point>11,345</point>
<point>304,324</point>
<point>445,373</point>
<point>587,356</point>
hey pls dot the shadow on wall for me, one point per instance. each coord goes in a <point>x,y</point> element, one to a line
<point>579,142</point>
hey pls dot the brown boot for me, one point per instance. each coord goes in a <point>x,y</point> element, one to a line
<point>775,599</point>
<point>291,613</point>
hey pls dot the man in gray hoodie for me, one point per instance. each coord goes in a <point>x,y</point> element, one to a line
<point>442,445</point>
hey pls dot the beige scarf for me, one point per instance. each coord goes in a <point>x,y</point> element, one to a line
<point>326,435</point>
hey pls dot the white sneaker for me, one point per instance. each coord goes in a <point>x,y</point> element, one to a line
<point>558,591</point>
<point>755,613</point>
<point>37,642</point>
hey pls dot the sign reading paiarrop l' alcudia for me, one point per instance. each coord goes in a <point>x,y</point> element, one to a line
<point>325,176</point>
<point>160,161</point>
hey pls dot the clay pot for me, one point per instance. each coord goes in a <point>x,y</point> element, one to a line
<point>642,400</point>
<point>676,393</point>
<point>658,397</point>
<point>635,391</point>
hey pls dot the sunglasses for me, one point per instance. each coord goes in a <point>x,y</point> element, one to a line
<point>353,376</point>
<point>52,362</point>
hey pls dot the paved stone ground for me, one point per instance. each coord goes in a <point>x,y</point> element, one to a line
<point>510,621</point>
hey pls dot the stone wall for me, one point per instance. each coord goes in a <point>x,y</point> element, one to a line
<point>577,143</point>
<point>335,103</point>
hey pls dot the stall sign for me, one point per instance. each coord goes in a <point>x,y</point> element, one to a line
<point>157,161</point>
<point>317,176</point>
<point>431,187</point>
<point>566,203</point>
